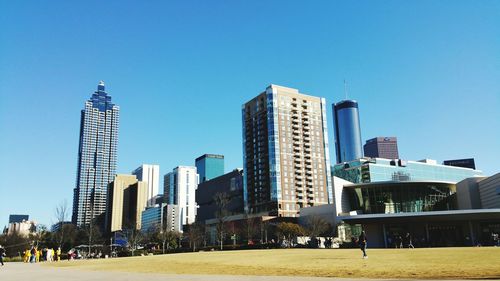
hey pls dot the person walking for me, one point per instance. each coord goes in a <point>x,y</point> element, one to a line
<point>409,241</point>
<point>362,243</point>
<point>38,252</point>
<point>32,255</point>
<point>2,254</point>
<point>58,253</point>
<point>26,255</point>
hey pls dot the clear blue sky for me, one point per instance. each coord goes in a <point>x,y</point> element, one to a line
<point>427,72</point>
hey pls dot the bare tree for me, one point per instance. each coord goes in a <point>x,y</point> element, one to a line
<point>250,228</point>
<point>221,200</point>
<point>195,234</point>
<point>166,235</point>
<point>134,238</point>
<point>168,239</point>
<point>61,214</point>
<point>316,226</point>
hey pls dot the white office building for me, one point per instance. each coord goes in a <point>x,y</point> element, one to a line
<point>151,175</point>
<point>179,189</point>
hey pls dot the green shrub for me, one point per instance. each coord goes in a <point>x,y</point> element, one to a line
<point>13,259</point>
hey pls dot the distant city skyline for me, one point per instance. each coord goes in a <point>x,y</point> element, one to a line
<point>424,72</point>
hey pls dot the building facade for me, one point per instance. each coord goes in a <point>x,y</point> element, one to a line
<point>18,218</point>
<point>127,198</point>
<point>96,156</point>
<point>285,152</point>
<point>150,174</point>
<point>468,193</point>
<point>425,210</point>
<point>464,163</point>
<point>489,190</point>
<point>180,189</point>
<point>230,184</point>
<point>209,166</point>
<point>367,170</point>
<point>23,228</point>
<point>163,216</point>
<point>382,147</point>
<point>348,145</point>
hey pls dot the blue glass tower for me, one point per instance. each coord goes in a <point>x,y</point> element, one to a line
<point>348,144</point>
<point>96,156</point>
<point>210,166</point>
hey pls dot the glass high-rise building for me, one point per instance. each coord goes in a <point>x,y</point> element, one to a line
<point>348,144</point>
<point>96,156</point>
<point>209,166</point>
<point>285,152</point>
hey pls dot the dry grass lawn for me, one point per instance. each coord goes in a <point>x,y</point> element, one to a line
<point>435,263</point>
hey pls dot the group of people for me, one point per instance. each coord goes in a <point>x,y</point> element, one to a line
<point>34,254</point>
<point>401,242</point>
<point>398,241</point>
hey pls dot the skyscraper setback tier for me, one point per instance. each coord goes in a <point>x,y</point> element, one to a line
<point>96,156</point>
<point>285,152</point>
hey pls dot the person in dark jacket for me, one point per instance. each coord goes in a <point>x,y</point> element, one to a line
<point>2,254</point>
<point>362,243</point>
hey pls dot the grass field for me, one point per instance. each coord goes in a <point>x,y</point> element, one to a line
<point>435,263</point>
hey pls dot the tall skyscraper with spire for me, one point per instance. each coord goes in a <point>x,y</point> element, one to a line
<point>96,156</point>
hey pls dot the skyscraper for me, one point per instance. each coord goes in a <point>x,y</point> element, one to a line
<point>348,144</point>
<point>285,152</point>
<point>151,175</point>
<point>382,147</point>
<point>126,199</point>
<point>209,166</point>
<point>179,188</point>
<point>96,156</point>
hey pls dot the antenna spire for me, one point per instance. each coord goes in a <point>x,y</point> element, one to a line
<point>345,89</point>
